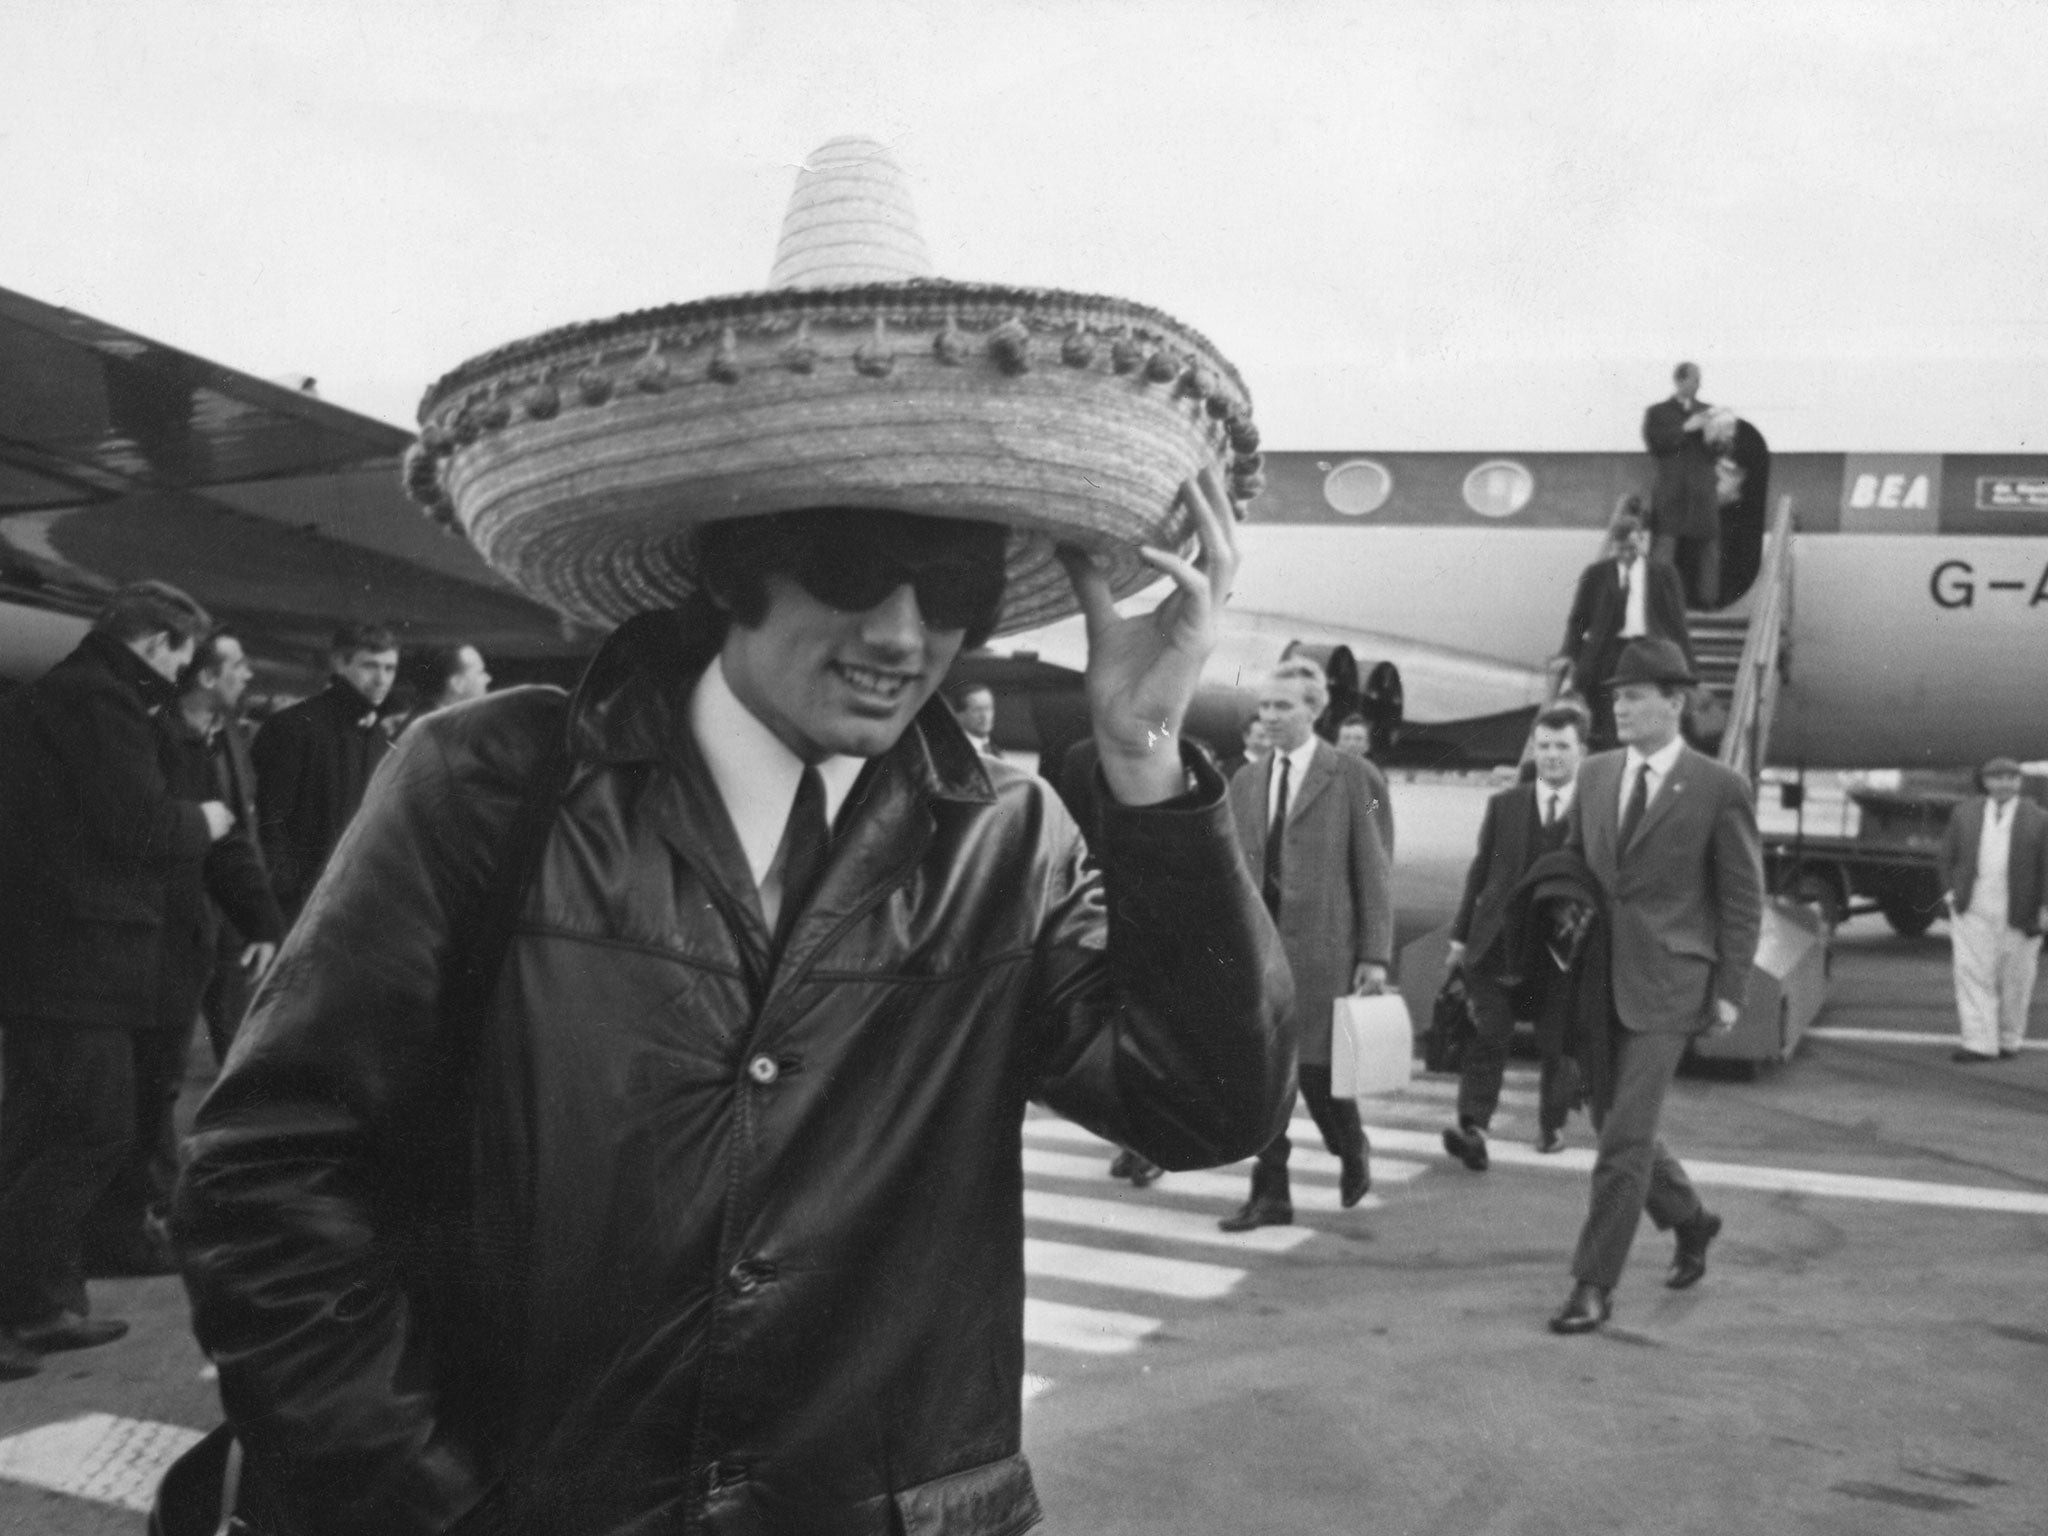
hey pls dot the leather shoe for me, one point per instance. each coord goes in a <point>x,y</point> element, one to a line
<point>1354,1182</point>
<point>16,1360</point>
<point>1258,1213</point>
<point>1143,1171</point>
<point>2007,1055</point>
<point>1689,1263</point>
<point>1585,1309</point>
<point>1970,1058</point>
<point>1550,1139</point>
<point>1467,1143</point>
<point>69,1330</point>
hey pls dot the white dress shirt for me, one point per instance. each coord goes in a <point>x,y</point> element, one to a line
<point>1298,761</point>
<point>757,778</point>
<point>1658,765</point>
<point>1992,892</point>
<point>1634,587</point>
<point>1554,804</point>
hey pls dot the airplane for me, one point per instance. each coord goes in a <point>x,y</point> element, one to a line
<point>1435,586</point>
<point>123,459</point>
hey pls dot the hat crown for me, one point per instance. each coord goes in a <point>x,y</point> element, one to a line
<point>850,220</point>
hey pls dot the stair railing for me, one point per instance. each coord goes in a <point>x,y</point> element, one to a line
<point>1761,672</point>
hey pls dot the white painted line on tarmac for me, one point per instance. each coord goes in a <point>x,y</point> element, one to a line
<point>1121,1270</point>
<point>1789,1181</point>
<point>1902,1037</point>
<point>1086,1330</point>
<point>1209,1184</point>
<point>96,1456</point>
<point>1129,1219</point>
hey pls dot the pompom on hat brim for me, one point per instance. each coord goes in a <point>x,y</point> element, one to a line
<point>579,461</point>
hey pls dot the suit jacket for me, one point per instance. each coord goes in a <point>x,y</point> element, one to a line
<point>1382,806</point>
<point>1511,839</point>
<point>1684,502</point>
<point>313,762</point>
<point>1592,632</point>
<point>1684,899</point>
<point>91,830</point>
<point>1336,895</point>
<point>2026,871</point>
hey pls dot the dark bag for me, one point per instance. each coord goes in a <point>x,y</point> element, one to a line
<point>199,1492</point>
<point>1451,1028</point>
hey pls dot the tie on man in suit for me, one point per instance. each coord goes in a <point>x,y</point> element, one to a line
<point>1523,822</point>
<point>1620,597</point>
<point>1305,820</point>
<point>1671,837</point>
<point>1994,868</point>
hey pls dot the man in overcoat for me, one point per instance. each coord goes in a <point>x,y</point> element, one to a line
<point>1522,823</point>
<point>1685,504</point>
<point>1307,823</point>
<point>628,1137</point>
<point>1671,836</point>
<point>314,760</point>
<point>92,829</point>
<point>1994,871</point>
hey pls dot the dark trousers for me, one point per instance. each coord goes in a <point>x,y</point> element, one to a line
<point>1486,1059</point>
<point>1634,1171</point>
<point>227,993</point>
<point>66,1123</point>
<point>1343,1132</point>
<point>1698,562</point>
<point>141,1186</point>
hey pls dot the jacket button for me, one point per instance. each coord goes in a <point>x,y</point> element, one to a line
<point>721,1475</point>
<point>763,1070</point>
<point>750,1275</point>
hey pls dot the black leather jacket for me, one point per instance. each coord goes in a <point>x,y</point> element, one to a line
<point>727,1246</point>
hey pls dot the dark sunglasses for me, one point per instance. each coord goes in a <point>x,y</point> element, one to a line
<point>956,589</point>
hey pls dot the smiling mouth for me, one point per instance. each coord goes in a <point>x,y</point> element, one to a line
<point>881,687</point>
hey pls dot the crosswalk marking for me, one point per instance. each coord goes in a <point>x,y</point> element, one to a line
<point>1211,1184</point>
<point>1129,1219</point>
<point>96,1456</point>
<point>1086,1330</point>
<point>1306,1158</point>
<point>1122,1270</point>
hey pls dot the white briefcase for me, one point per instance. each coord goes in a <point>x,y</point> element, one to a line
<point>1372,1046</point>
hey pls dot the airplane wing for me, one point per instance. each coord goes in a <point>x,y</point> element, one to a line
<point>122,458</point>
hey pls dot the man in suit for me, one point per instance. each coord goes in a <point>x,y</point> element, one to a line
<point>1994,869</point>
<point>1670,835</point>
<point>1354,739</point>
<point>92,832</point>
<point>314,760</point>
<point>1620,598</point>
<point>1304,816</point>
<point>974,706</point>
<point>1685,505</point>
<point>1522,823</point>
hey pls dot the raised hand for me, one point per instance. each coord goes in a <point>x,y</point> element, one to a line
<point>1143,670</point>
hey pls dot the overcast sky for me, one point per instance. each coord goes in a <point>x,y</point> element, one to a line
<point>1410,225</point>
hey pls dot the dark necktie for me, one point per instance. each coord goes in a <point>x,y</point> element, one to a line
<point>1550,808</point>
<point>1638,802</point>
<point>1276,830</point>
<point>805,842</point>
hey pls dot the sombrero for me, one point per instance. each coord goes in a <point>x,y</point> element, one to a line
<point>577,461</point>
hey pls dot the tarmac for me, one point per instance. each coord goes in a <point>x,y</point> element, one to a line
<point>1868,1353</point>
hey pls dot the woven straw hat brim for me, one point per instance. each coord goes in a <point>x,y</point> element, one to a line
<point>578,461</point>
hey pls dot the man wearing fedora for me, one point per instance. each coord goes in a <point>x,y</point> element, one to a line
<point>679,1188</point>
<point>1670,836</point>
<point>1994,871</point>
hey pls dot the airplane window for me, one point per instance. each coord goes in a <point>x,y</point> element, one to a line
<point>1499,488</point>
<point>1356,487</point>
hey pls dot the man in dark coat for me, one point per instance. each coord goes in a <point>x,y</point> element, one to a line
<point>1685,504</point>
<point>1671,836</point>
<point>1994,873</point>
<point>91,832</point>
<point>1522,823</point>
<point>203,896</point>
<point>314,760</point>
<point>1619,598</point>
<point>1307,825</point>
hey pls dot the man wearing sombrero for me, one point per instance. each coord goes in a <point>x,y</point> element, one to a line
<point>628,1140</point>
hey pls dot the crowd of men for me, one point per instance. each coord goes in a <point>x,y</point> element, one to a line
<point>155,856</point>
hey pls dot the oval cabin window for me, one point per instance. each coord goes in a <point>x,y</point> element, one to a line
<point>1357,487</point>
<point>1499,488</point>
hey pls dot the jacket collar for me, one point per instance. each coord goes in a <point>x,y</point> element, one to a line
<point>633,706</point>
<point>154,690</point>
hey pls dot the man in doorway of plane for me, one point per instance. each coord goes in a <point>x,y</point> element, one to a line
<point>1522,823</point>
<point>1621,596</point>
<point>1685,505</point>
<point>1305,825</point>
<point>1994,871</point>
<point>974,706</point>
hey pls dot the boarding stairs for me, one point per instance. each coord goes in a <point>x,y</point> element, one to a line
<point>1744,659</point>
